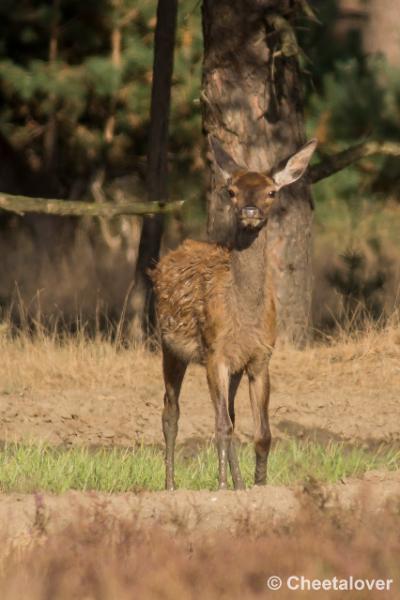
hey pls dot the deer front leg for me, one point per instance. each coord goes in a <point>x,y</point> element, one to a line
<point>232,455</point>
<point>174,371</point>
<point>259,397</point>
<point>218,382</point>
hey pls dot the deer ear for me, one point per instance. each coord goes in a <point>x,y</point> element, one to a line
<point>295,166</point>
<point>227,166</point>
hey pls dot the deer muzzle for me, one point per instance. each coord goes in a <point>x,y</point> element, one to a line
<point>251,216</point>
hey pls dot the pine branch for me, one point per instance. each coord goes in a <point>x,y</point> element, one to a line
<point>337,162</point>
<point>23,204</point>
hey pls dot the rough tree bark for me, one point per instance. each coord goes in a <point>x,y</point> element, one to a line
<point>252,103</point>
<point>150,240</point>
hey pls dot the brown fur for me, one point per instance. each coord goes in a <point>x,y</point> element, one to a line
<point>211,299</point>
<point>217,306</point>
<point>200,309</point>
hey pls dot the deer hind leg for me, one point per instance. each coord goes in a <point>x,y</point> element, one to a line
<point>174,371</point>
<point>218,382</point>
<point>232,455</point>
<point>259,397</point>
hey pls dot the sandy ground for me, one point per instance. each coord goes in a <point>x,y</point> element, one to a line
<point>122,417</point>
<point>348,392</point>
<point>257,509</point>
<point>90,393</point>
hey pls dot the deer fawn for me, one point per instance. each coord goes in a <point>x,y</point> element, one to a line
<point>216,306</point>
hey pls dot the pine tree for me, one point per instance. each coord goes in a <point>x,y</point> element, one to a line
<point>75,81</point>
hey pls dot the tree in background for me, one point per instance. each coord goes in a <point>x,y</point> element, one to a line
<point>75,88</point>
<point>253,103</point>
<point>157,163</point>
<point>86,69</point>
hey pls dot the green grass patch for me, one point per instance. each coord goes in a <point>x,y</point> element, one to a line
<point>43,468</point>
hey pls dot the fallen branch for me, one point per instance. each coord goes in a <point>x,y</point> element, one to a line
<point>24,204</point>
<point>337,162</point>
<point>328,166</point>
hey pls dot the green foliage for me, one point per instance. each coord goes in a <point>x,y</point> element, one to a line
<point>102,76</point>
<point>345,185</point>
<point>91,80</point>
<point>348,96</point>
<point>358,288</point>
<point>42,468</point>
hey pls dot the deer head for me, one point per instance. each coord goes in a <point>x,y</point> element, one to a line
<point>252,194</point>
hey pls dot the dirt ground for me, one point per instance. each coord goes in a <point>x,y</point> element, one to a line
<point>126,417</point>
<point>91,393</point>
<point>189,545</point>
<point>256,509</point>
<point>347,391</point>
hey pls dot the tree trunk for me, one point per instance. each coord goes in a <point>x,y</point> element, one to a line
<point>50,134</point>
<point>152,229</point>
<point>253,104</point>
<point>378,21</point>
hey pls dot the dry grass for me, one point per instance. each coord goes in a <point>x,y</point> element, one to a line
<point>41,361</point>
<point>367,229</point>
<point>70,268</point>
<point>78,390</point>
<point>105,560</point>
<point>44,361</point>
<point>347,361</point>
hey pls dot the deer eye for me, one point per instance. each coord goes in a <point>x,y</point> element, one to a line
<point>271,194</point>
<point>231,192</point>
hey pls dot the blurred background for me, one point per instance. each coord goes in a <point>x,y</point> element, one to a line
<point>75,87</point>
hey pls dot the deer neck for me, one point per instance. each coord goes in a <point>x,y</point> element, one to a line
<point>249,269</point>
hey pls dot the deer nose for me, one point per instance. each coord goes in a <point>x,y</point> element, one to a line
<point>250,212</point>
